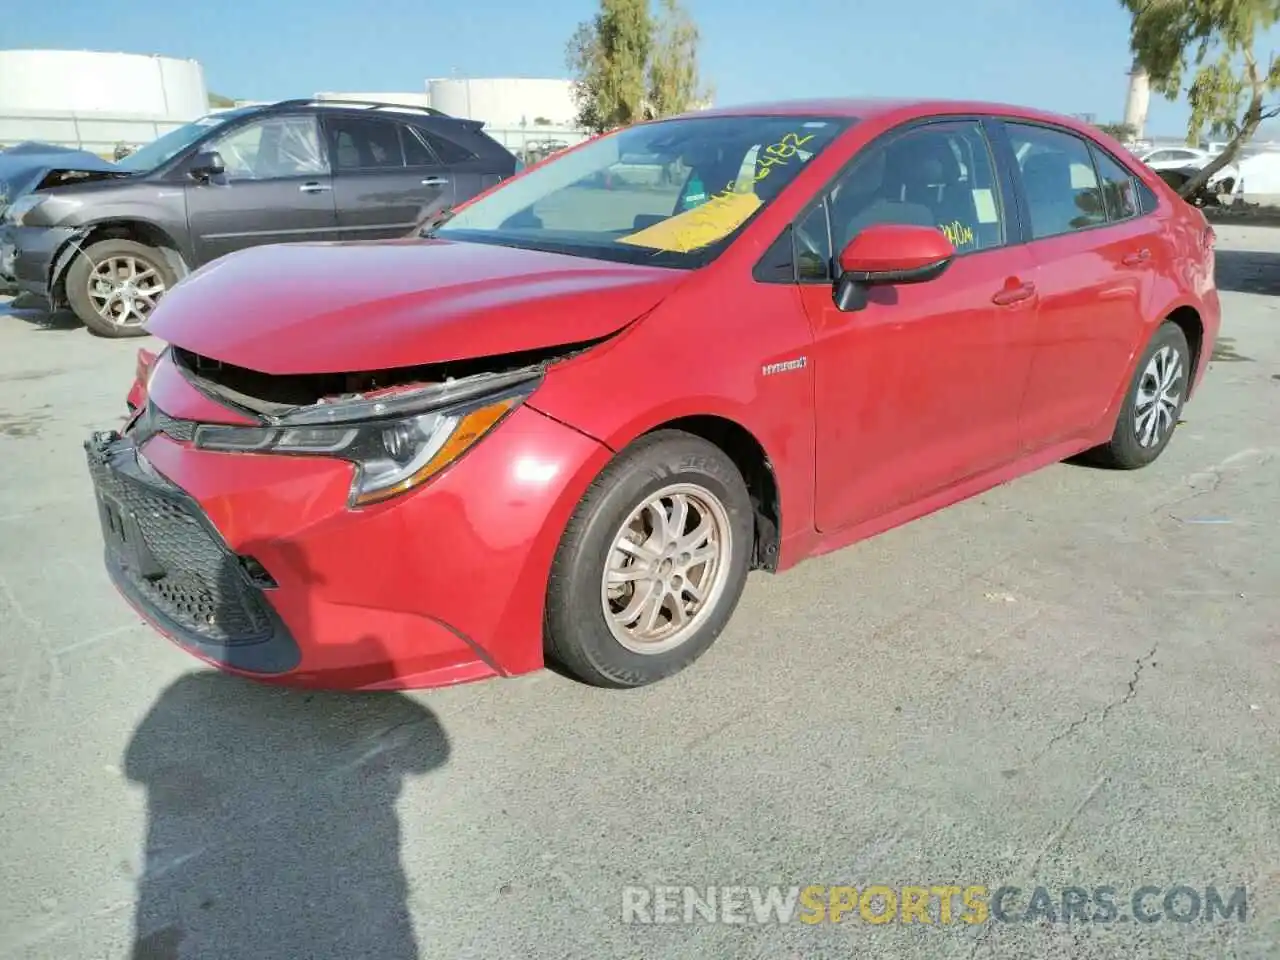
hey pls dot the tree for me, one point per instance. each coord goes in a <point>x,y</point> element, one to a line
<point>1213,42</point>
<point>674,84</point>
<point>218,101</point>
<point>609,56</point>
<point>630,65</point>
<point>1121,131</point>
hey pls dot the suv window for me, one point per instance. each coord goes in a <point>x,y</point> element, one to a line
<point>1058,179</point>
<point>938,175</point>
<point>444,148</point>
<point>271,148</point>
<point>356,143</point>
<point>1119,188</point>
<point>416,153</point>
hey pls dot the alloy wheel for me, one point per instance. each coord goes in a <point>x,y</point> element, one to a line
<point>667,568</point>
<point>1159,395</point>
<point>124,290</point>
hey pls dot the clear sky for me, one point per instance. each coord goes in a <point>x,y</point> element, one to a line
<point>1069,57</point>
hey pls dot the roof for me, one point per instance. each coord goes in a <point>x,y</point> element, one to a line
<point>872,108</point>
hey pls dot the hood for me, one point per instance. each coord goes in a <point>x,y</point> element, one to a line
<point>35,166</point>
<point>374,305</point>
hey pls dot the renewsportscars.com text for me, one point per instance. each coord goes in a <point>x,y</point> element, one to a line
<point>933,904</point>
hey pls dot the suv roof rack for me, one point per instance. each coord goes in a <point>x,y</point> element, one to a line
<point>367,104</point>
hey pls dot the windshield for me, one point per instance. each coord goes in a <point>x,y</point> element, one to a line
<point>166,147</point>
<point>672,193</point>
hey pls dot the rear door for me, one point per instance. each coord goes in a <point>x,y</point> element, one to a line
<point>386,179</point>
<point>1093,249</point>
<point>276,188</point>
<point>474,161</point>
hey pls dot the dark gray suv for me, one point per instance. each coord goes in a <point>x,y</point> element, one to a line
<point>108,239</point>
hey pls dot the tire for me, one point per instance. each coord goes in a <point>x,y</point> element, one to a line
<point>149,266</point>
<point>1129,449</point>
<point>585,640</point>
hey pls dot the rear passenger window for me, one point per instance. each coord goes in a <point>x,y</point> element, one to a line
<point>1058,179</point>
<point>1118,188</point>
<point>359,144</point>
<point>416,153</point>
<point>936,175</point>
<point>448,151</point>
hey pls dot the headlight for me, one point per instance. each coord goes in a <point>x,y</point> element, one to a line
<point>392,453</point>
<point>23,206</point>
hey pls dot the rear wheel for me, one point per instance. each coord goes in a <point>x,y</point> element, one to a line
<point>652,563</point>
<point>114,285</point>
<point>1153,404</point>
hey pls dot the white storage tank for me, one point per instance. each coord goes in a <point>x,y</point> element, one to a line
<point>505,103</point>
<point>112,84</point>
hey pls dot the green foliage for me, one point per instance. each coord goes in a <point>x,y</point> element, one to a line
<point>218,102</point>
<point>1121,131</point>
<point>1208,48</point>
<point>629,65</point>
<point>674,84</point>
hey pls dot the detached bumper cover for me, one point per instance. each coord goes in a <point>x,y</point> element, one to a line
<point>173,566</point>
<point>256,564</point>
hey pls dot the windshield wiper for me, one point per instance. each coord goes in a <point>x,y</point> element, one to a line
<point>434,222</point>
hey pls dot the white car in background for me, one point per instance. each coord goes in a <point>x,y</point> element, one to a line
<point>1192,158</point>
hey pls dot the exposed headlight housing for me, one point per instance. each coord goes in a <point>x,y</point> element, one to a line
<point>394,448</point>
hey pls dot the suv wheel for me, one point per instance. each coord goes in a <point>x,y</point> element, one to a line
<point>115,284</point>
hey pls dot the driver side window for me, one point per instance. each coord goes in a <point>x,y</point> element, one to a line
<point>937,175</point>
<point>272,148</point>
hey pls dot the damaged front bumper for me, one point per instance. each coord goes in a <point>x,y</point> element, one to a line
<point>259,564</point>
<point>31,254</point>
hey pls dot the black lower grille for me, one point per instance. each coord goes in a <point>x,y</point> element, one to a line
<point>170,557</point>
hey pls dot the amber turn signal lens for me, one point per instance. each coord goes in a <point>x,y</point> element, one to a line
<point>471,427</point>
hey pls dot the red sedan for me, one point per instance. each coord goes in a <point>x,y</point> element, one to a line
<point>567,421</point>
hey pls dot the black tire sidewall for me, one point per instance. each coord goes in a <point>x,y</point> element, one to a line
<point>78,278</point>
<point>1124,447</point>
<point>578,635</point>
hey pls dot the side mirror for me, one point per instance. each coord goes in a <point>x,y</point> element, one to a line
<point>207,164</point>
<point>890,253</point>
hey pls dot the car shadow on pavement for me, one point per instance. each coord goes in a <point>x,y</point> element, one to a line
<point>1248,271</point>
<point>272,828</point>
<point>36,312</point>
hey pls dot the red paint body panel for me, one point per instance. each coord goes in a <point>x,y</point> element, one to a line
<point>1011,359</point>
<point>441,584</point>
<point>398,303</point>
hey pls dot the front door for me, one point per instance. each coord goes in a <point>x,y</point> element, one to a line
<point>1094,250</point>
<point>386,179</point>
<point>276,189</point>
<point>921,388</point>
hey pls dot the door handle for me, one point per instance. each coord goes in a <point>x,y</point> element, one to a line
<point>434,181</point>
<point>1009,295</point>
<point>1133,259</point>
<point>314,187</point>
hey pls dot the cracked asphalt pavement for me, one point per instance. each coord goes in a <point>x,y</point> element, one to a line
<point>1071,680</point>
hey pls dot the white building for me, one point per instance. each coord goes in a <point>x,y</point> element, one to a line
<point>91,99</point>
<point>506,103</point>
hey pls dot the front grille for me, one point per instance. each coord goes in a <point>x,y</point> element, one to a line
<point>189,576</point>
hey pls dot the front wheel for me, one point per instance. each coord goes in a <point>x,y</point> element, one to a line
<point>652,564</point>
<point>1153,403</point>
<point>114,285</point>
